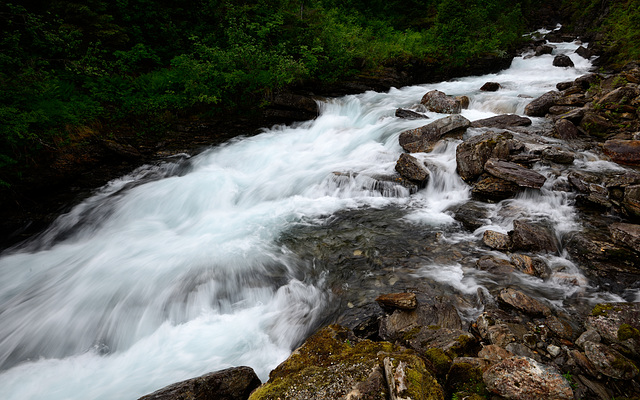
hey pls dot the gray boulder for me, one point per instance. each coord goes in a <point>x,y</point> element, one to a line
<point>540,106</point>
<point>423,138</point>
<point>439,102</point>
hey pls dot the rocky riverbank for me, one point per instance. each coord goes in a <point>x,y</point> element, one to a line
<point>414,344</point>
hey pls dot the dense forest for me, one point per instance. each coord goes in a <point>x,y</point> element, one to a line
<point>71,70</point>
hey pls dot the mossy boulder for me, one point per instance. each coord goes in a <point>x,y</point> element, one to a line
<point>334,364</point>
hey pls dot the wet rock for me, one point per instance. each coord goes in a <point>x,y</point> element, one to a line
<point>439,102</point>
<point>292,106</point>
<point>434,312</point>
<point>522,302</point>
<point>572,114</point>
<point>562,60</point>
<point>406,380</point>
<point>496,240</point>
<point>422,139</point>
<point>531,266</point>
<point>471,214</point>
<point>452,342</point>
<point>494,265</point>
<point>364,321</point>
<point>543,49</point>
<point>490,87</point>
<point>333,364</point>
<point>464,101</point>
<point>563,85</point>
<point>408,114</point>
<point>558,156</point>
<point>472,154</point>
<point>410,168</point>
<point>556,111</point>
<point>540,106</point>
<point>609,362</point>
<point>490,188</point>
<point>622,95</point>
<point>586,81</point>
<point>626,235</point>
<point>515,173</point>
<point>525,379</point>
<point>228,384</point>
<point>401,301</point>
<point>573,100</point>
<point>583,52</point>
<point>529,237</point>
<point>502,121</point>
<point>623,151</point>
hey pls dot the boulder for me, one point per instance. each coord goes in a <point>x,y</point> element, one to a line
<point>400,301</point>
<point>562,60</point>
<point>408,114</point>
<point>586,81</point>
<point>523,378</point>
<point>615,322</point>
<point>471,214</point>
<point>464,101</point>
<point>610,362</point>
<point>522,302</point>
<point>496,240</point>
<point>495,265</point>
<point>583,52</point>
<point>543,49</point>
<point>490,87</point>
<point>333,364</point>
<point>439,102</point>
<point>472,154</point>
<point>626,235</point>
<point>620,96</point>
<point>412,169</point>
<point>422,139</point>
<point>502,121</point>
<point>492,189</point>
<point>228,384</point>
<point>515,173</point>
<point>540,106</point>
<point>623,151</point>
<point>563,85</point>
<point>529,237</point>
<point>570,113</point>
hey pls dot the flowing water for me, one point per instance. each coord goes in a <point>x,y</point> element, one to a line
<point>232,257</point>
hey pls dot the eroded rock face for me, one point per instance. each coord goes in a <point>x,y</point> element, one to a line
<point>626,235</point>
<point>439,102</point>
<point>523,378</point>
<point>229,384</point>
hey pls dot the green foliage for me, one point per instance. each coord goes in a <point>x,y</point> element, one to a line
<point>66,63</point>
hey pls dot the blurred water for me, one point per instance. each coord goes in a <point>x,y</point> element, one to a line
<point>177,270</point>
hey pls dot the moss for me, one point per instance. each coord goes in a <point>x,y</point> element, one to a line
<point>465,380</point>
<point>439,359</point>
<point>411,333</point>
<point>626,331</point>
<point>601,309</point>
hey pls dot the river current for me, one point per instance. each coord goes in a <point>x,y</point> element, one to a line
<point>233,256</point>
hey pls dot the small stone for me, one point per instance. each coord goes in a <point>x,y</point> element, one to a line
<point>402,301</point>
<point>554,350</point>
<point>490,87</point>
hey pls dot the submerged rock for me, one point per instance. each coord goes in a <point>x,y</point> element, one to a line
<point>408,114</point>
<point>229,384</point>
<point>523,378</point>
<point>562,60</point>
